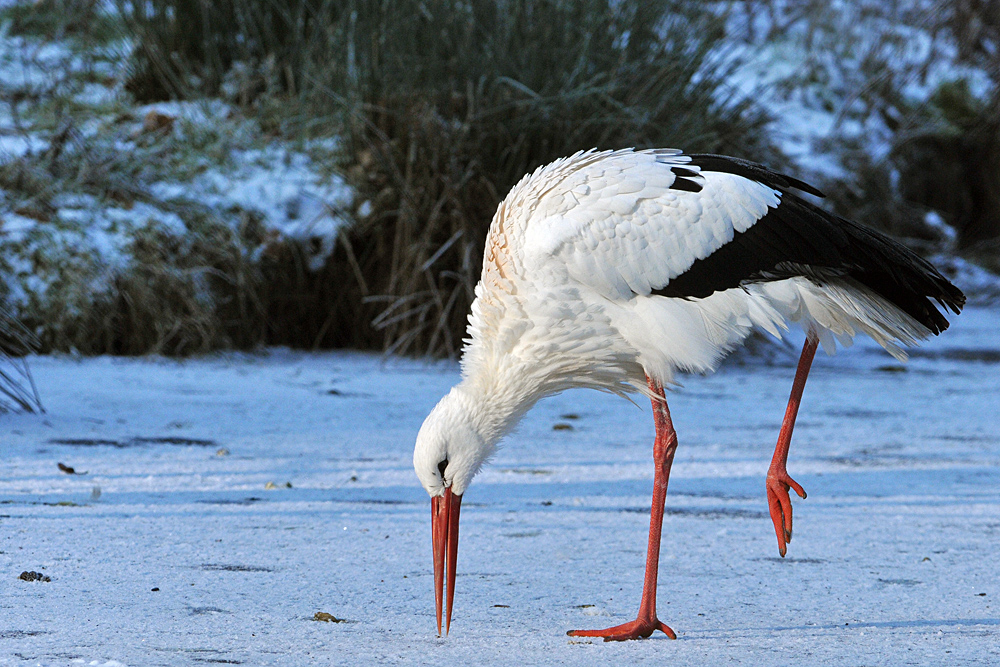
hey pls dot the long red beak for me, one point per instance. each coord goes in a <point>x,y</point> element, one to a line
<point>444,533</point>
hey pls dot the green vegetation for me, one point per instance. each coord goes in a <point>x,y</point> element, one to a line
<point>17,389</point>
<point>476,95</point>
<point>960,136</point>
<point>57,19</point>
<point>443,107</point>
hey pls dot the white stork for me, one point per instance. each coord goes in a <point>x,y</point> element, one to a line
<point>615,270</point>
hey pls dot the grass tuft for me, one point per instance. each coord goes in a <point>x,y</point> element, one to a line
<point>475,95</point>
<point>17,387</point>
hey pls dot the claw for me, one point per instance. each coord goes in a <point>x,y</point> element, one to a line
<point>780,506</point>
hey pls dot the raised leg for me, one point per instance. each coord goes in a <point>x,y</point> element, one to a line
<point>778,480</point>
<point>663,456</point>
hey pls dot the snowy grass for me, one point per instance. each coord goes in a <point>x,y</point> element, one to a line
<point>119,235</point>
<point>17,388</point>
<point>892,108</point>
<point>893,551</point>
<point>431,142</point>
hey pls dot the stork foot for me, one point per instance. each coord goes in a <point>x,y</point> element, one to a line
<point>640,628</point>
<point>780,505</point>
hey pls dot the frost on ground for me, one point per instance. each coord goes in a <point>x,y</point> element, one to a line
<point>178,538</point>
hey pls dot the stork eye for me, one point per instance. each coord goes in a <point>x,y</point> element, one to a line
<point>442,467</point>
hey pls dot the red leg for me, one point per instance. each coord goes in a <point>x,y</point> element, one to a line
<point>663,455</point>
<point>778,480</point>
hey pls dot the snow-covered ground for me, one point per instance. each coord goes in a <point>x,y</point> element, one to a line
<point>172,550</point>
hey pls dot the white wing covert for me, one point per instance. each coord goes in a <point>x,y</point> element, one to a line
<point>618,225</point>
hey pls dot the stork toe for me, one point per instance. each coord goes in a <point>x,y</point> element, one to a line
<point>779,505</point>
<point>640,628</point>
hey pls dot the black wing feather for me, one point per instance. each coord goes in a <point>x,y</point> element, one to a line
<point>752,170</point>
<point>797,238</point>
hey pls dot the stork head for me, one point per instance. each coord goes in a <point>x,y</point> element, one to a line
<point>449,452</point>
